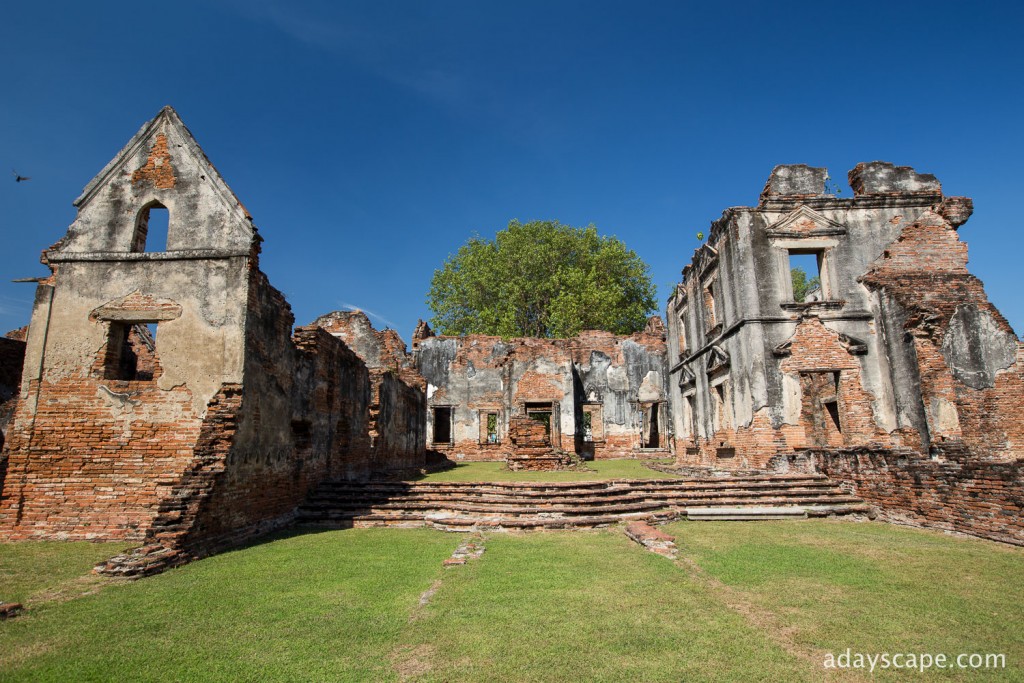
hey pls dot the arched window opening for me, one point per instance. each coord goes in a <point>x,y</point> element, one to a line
<point>151,228</point>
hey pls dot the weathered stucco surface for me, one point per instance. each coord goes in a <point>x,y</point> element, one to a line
<point>618,381</point>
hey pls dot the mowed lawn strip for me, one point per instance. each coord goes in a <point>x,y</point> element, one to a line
<point>312,607</point>
<point>873,587</point>
<point>585,606</point>
<point>551,606</point>
<point>29,569</point>
<point>597,470</point>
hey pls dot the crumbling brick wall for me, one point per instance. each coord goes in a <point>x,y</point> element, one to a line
<point>12,360</point>
<point>969,495</point>
<point>398,405</point>
<point>267,462</point>
<point>303,418</point>
<point>398,412</point>
<point>90,456</point>
<point>605,392</point>
<point>969,362</point>
<point>92,460</point>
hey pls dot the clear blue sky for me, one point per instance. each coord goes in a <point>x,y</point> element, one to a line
<point>370,139</point>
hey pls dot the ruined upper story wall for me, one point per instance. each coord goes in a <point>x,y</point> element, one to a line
<point>199,308</point>
<point>619,371</point>
<point>474,369</point>
<point>961,365</point>
<point>743,270</point>
<point>482,368</point>
<point>161,166</point>
<point>735,307</point>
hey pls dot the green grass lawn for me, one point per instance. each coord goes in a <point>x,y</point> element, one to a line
<point>27,569</point>
<point>745,602</point>
<point>599,470</point>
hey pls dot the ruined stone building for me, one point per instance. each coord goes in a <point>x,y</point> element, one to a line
<point>900,348</point>
<point>598,395</point>
<point>162,394</point>
<point>898,378</point>
<point>164,397</point>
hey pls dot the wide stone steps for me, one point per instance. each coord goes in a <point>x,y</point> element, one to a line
<point>681,496</point>
<point>490,491</point>
<point>552,505</point>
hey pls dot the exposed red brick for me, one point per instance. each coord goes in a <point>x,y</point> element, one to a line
<point>969,495</point>
<point>158,169</point>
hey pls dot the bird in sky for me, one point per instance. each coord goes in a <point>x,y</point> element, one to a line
<point>19,178</point>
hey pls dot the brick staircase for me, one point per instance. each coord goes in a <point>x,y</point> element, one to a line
<point>467,506</point>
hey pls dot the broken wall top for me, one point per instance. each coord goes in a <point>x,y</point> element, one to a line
<point>653,335</point>
<point>882,177</point>
<point>487,350</point>
<point>162,166</point>
<point>875,183</point>
<point>378,348</point>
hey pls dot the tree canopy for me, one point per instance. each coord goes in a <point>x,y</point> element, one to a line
<point>541,279</point>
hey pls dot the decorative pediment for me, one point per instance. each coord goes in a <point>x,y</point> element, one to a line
<point>686,378</point>
<point>784,349</point>
<point>718,359</point>
<point>137,308</point>
<point>805,222</point>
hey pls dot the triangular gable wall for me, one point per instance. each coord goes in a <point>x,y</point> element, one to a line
<point>162,165</point>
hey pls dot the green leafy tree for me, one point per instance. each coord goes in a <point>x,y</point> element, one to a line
<point>541,279</point>
<point>801,285</point>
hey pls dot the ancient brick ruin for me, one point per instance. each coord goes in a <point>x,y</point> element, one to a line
<point>899,370</point>
<point>162,395</point>
<point>598,395</point>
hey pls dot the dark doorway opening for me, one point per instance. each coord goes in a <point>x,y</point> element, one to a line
<point>442,424</point>
<point>650,437</point>
<point>541,412</point>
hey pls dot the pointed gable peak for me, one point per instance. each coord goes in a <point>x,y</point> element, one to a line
<point>161,166</point>
<point>154,136</point>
